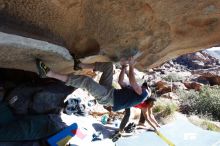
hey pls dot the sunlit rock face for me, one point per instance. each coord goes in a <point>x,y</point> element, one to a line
<point>157,30</point>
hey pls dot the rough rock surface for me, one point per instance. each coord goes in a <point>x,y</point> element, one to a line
<point>159,30</point>
<point>18,52</point>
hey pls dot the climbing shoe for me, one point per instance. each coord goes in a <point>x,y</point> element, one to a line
<point>42,68</point>
<point>130,128</point>
<point>97,136</point>
<point>116,136</point>
<point>81,110</point>
<point>76,63</point>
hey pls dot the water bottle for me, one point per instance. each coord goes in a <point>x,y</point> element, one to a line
<point>104,119</point>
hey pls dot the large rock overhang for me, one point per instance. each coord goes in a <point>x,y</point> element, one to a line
<point>158,30</point>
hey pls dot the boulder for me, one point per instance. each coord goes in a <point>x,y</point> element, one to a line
<point>193,85</point>
<point>156,31</point>
<point>162,88</point>
<point>212,79</point>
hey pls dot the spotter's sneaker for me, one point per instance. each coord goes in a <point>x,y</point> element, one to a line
<point>42,68</point>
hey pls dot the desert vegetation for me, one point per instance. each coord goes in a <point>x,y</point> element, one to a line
<point>204,102</point>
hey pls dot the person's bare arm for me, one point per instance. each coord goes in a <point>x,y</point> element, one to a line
<point>121,76</point>
<point>152,118</point>
<point>131,77</point>
<point>147,118</point>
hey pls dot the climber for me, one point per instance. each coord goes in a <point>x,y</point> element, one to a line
<point>146,106</point>
<point>103,91</point>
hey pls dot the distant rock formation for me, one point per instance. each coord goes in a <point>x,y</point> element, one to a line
<point>198,60</point>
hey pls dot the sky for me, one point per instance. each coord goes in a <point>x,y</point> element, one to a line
<point>214,49</point>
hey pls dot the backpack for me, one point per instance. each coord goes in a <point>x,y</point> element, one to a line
<point>19,98</point>
<point>50,99</point>
<point>35,99</point>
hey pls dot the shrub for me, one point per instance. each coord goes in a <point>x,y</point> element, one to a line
<point>174,77</point>
<point>187,100</point>
<point>158,108</point>
<point>207,101</point>
<point>164,108</point>
<point>169,109</point>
